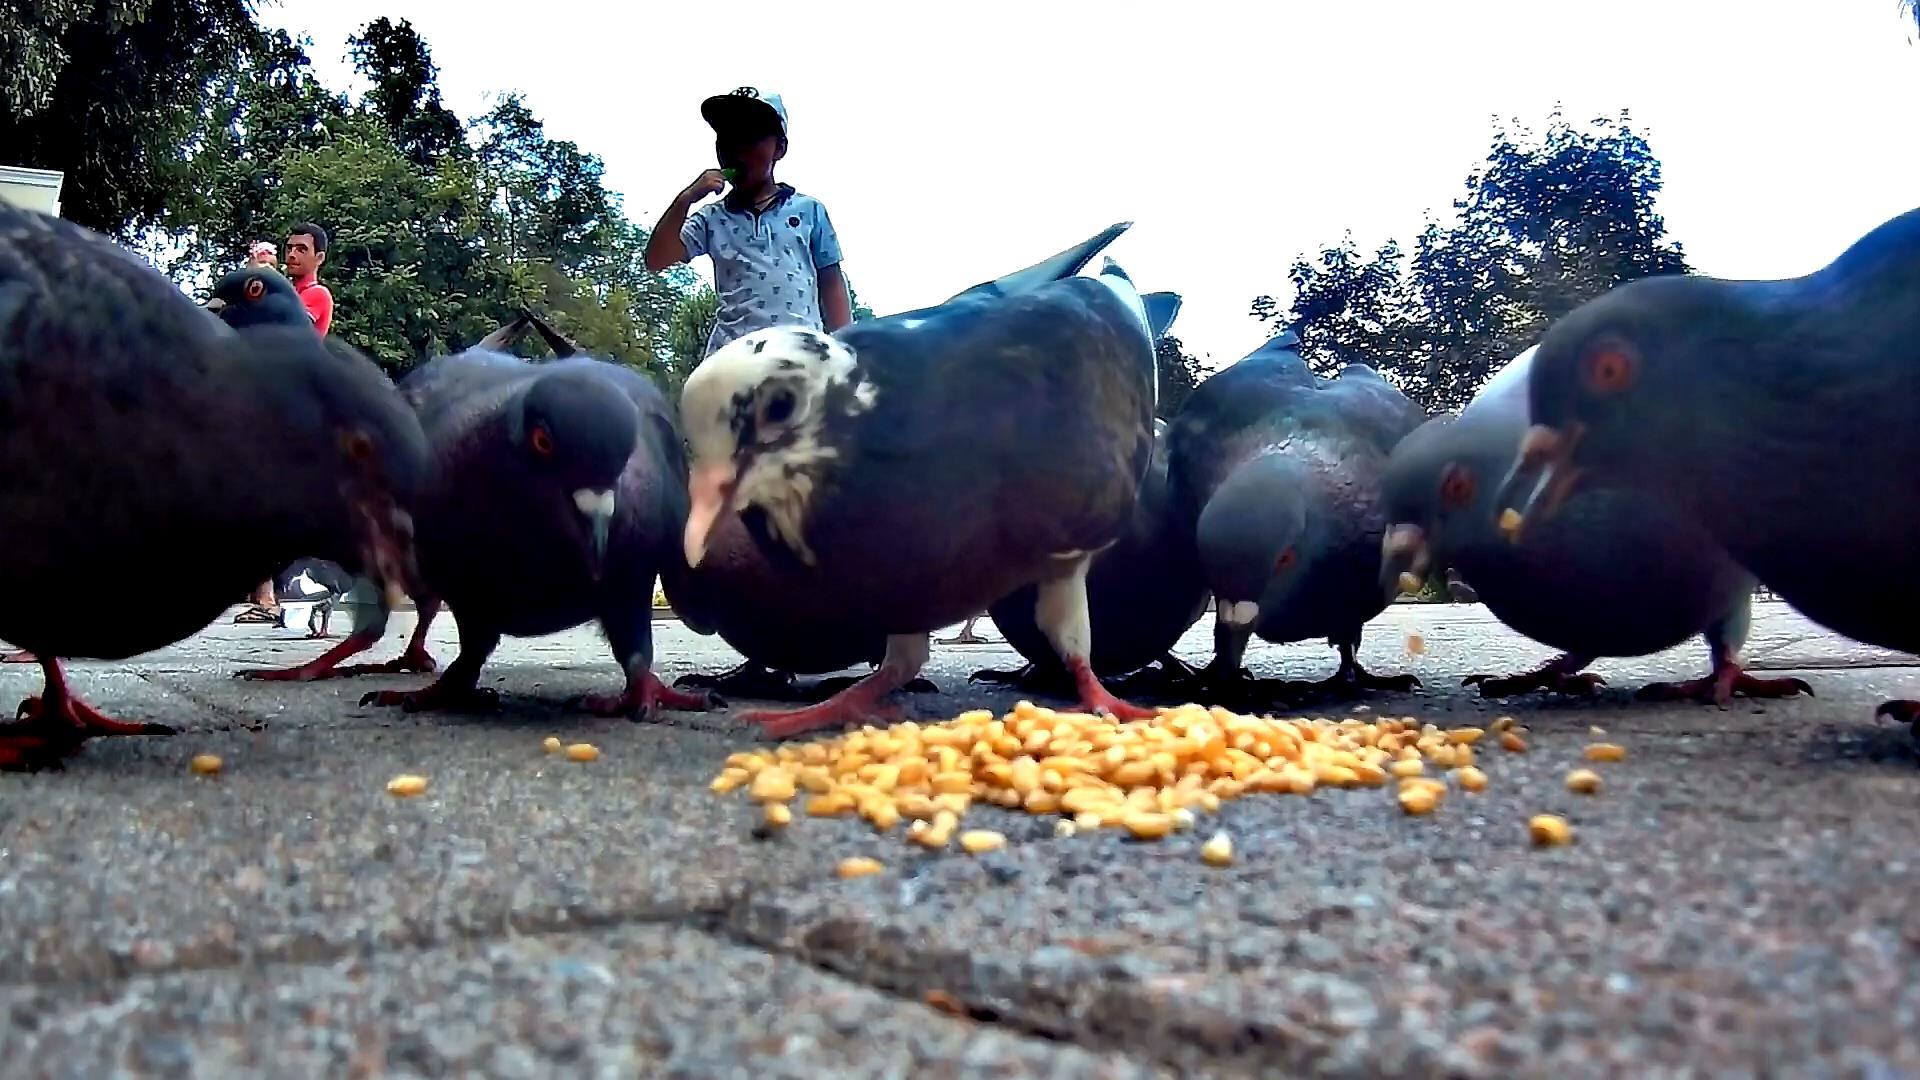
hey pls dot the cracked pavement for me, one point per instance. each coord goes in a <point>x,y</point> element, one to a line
<point>1736,900</point>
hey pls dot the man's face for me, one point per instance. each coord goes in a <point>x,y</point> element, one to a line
<point>753,156</point>
<point>302,260</point>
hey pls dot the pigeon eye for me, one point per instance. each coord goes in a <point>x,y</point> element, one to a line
<point>1287,558</point>
<point>542,441</point>
<point>357,445</point>
<point>1609,369</point>
<point>256,289</point>
<point>779,407</point>
<point>1456,486</point>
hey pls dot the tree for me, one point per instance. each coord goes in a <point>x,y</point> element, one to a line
<point>1179,373</point>
<point>405,91</point>
<point>109,93</point>
<point>1546,224</point>
<point>689,329</point>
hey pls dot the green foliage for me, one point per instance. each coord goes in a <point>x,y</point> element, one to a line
<point>1179,374</point>
<point>690,328</point>
<point>405,93</point>
<point>1546,224</point>
<point>108,92</point>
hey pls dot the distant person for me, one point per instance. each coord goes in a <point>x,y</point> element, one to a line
<point>776,258</point>
<point>263,254</point>
<point>306,253</point>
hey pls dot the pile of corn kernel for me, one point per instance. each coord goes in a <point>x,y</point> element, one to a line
<point>1147,777</point>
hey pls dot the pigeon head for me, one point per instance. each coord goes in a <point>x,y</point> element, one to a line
<point>574,434</point>
<point>1630,383</point>
<point>258,296</point>
<point>1256,537</point>
<point>1438,493</point>
<point>757,416</point>
<point>347,455</point>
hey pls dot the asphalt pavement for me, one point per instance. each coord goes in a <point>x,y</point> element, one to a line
<point>1737,898</point>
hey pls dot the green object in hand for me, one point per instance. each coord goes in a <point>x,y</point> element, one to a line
<point>732,175</point>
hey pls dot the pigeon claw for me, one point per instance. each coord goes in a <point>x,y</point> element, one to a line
<point>749,680</point>
<point>1900,711</point>
<point>643,699</point>
<point>1030,677</point>
<point>51,727</point>
<point>857,704</point>
<point>1097,699</point>
<point>440,696</point>
<point>1720,687</point>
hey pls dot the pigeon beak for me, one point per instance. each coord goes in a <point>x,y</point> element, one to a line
<point>711,490</point>
<point>1239,615</point>
<point>214,304</point>
<point>1404,560</point>
<point>598,507</point>
<point>1547,454</point>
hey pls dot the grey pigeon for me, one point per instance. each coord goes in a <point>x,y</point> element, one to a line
<point>1279,470</point>
<point>1615,574</point>
<point>555,494</point>
<point>130,424</point>
<point>919,467</point>
<point>1143,593</point>
<point>1777,414</point>
<point>787,624</point>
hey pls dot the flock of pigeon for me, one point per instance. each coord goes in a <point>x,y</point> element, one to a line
<point>822,501</point>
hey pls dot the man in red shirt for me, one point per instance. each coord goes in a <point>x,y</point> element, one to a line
<point>306,253</point>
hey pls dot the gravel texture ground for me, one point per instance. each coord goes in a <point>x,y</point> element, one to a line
<point>1736,901</point>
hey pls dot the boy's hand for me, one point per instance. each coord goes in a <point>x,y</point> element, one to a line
<point>710,182</point>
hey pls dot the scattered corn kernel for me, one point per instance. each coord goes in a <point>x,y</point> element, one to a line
<point>859,866</point>
<point>581,751</point>
<point>771,785</point>
<point>1064,828</point>
<point>1548,830</point>
<point>1418,800</point>
<point>1583,781</point>
<point>1218,851</point>
<point>727,781</point>
<point>1407,767</point>
<point>551,744</point>
<point>1147,826</point>
<point>1513,743</point>
<point>981,841</point>
<point>1410,582</point>
<point>406,787</point>
<point>1416,644</point>
<point>1472,779</point>
<point>1465,736</point>
<point>1500,724</point>
<point>778,814</point>
<point>205,764</point>
<point>1510,521</point>
<point>1183,819</point>
<point>1606,751</point>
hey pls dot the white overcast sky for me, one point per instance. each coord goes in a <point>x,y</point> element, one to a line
<point>952,143</point>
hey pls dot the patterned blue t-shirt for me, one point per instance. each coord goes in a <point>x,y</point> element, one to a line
<point>765,265</point>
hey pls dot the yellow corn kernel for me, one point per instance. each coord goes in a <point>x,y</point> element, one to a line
<point>772,785</point>
<point>1583,781</point>
<point>777,814</point>
<point>953,802</point>
<point>744,760</point>
<point>858,866</point>
<point>1547,830</point>
<point>1463,757</point>
<point>884,816</point>
<point>205,764</point>
<point>1472,779</point>
<point>1418,801</point>
<point>981,841</point>
<point>1183,819</point>
<point>581,751</point>
<point>952,782</point>
<point>406,786</point>
<point>1369,774</point>
<point>1405,768</point>
<point>1500,724</point>
<point>1510,521</point>
<point>1465,736</point>
<point>832,804</point>
<point>1041,802</point>
<point>728,780</point>
<point>550,744</point>
<point>1217,851</point>
<point>1512,742</point>
<point>1089,819</point>
<point>1606,751</point>
<point>1148,826</point>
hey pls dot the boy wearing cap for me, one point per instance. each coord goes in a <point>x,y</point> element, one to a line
<point>776,259</point>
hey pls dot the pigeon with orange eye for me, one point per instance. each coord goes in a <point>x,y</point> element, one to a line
<point>1614,574</point>
<point>257,296</point>
<point>555,495</point>
<point>1779,414</point>
<point>1278,468</point>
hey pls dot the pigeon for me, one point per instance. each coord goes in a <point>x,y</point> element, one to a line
<point>1279,471</point>
<point>1615,574</point>
<point>1143,593</point>
<point>122,405</point>
<point>555,493</point>
<point>1775,413</point>
<point>917,468</point>
<point>787,624</point>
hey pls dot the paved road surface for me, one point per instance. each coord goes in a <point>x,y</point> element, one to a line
<point>1737,900</point>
